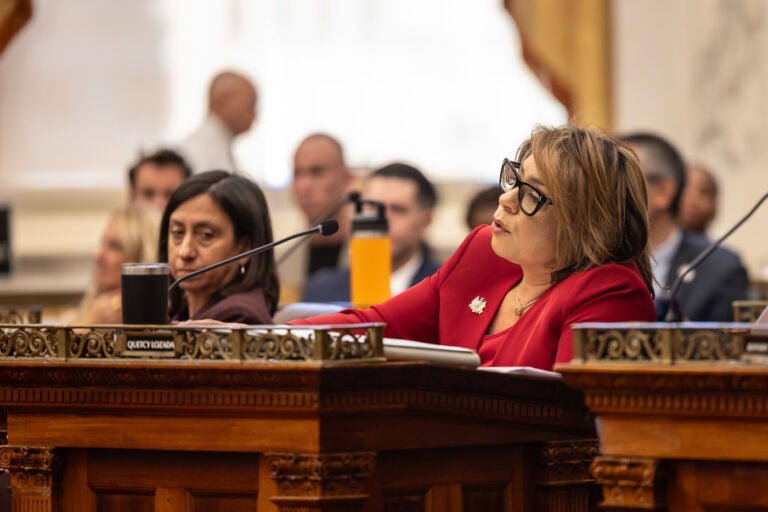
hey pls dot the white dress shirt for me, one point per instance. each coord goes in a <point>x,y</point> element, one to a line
<point>209,147</point>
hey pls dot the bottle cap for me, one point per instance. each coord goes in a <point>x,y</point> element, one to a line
<point>372,220</point>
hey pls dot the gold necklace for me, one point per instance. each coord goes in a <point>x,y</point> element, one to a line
<point>520,309</point>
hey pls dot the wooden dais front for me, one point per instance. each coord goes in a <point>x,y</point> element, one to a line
<point>115,435</point>
<point>681,437</point>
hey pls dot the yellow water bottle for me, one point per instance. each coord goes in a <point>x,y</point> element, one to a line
<point>370,256</point>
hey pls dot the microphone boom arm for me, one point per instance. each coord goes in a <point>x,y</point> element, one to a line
<point>328,227</point>
<point>673,314</point>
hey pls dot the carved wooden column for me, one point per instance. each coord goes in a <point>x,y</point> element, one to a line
<point>562,478</point>
<point>310,482</point>
<point>35,477</point>
<point>631,483</point>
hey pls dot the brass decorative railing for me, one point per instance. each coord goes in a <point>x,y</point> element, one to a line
<point>663,342</point>
<point>247,343</point>
<point>748,310</point>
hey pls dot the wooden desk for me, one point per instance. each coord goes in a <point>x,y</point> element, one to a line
<point>117,435</point>
<point>686,437</point>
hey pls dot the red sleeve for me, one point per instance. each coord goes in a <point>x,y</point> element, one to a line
<point>412,314</point>
<point>611,293</point>
<point>403,318</point>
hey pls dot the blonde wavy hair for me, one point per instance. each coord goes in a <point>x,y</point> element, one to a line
<point>138,229</point>
<point>599,198</point>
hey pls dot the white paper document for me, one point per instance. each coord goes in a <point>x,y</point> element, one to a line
<point>406,350</point>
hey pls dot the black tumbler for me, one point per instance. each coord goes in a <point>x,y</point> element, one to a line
<point>145,293</point>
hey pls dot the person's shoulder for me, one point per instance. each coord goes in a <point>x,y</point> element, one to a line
<point>691,242</point>
<point>328,275</point>
<point>248,307</point>
<point>327,285</point>
<point>698,242</point>
<point>429,266</point>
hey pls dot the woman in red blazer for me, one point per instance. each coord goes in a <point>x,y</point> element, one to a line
<point>568,243</point>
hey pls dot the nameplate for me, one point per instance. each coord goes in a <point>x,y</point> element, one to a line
<point>145,343</point>
<point>756,347</point>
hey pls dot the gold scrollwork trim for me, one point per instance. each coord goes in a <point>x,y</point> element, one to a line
<point>630,481</point>
<point>658,343</point>
<point>24,341</point>
<point>32,468</point>
<point>307,474</point>
<point>262,343</point>
<point>748,310</point>
<point>566,461</point>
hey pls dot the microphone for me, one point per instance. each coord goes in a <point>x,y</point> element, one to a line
<point>673,313</point>
<point>352,197</point>
<point>325,228</point>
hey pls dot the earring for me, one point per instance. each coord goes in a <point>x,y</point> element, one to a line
<point>242,270</point>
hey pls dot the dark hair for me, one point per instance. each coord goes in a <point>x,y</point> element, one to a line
<point>244,203</point>
<point>484,198</point>
<point>662,160</point>
<point>160,158</point>
<point>425,191</point>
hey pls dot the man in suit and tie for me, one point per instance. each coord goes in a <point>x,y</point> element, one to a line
<point>708,291</point>
<point>409,198</point>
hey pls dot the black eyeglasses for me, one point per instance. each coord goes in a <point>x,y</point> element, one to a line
<point>530,198</point>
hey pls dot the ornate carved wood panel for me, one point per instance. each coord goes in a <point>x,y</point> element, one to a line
<point>679,437</point>
<point>35,477</point>
<point>631,483</point>
<point>199,436</point>
<point>309,481</point>
<point>563,482</point>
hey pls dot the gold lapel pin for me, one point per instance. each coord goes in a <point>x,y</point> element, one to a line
<point>477,305</point>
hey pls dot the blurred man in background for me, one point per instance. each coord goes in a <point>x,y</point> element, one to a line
<point>708,291</point>
<point>232,110</point>
<point>154,177</point>
<point>320,186</point>
<point>698,206</point>
<point>409,198</point>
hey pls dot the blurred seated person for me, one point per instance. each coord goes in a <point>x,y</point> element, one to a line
<point>698,205</point>
<point>707,292</point>
<point>482,206</point>
<point>568,243</point>
<point>321,182</point>
<point>130,236</point>
<point>409,198</point>
<point>321,179</point>
<point>211,217</point>
<point>154,177</point>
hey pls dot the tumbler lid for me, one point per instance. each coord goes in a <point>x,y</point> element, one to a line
<point>144,269</point>
<point>372,220</point>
